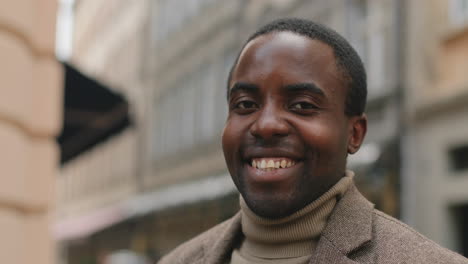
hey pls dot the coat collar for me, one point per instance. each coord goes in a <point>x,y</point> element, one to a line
<point>220,251</point>
<point>349,227</point>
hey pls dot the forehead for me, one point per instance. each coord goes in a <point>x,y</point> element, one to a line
<point>293,57</point>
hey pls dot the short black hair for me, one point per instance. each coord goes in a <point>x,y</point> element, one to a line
<point>347,59</point>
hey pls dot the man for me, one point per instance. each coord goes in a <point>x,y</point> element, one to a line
<point>296,97</point>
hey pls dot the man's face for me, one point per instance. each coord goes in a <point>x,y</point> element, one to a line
<point>287,136</point>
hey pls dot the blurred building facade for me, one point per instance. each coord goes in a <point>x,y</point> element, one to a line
<point>108,44</point>
<point>107,38</point>
<point>435,185</point>
<point>170,58</point>
<point>30,119</point>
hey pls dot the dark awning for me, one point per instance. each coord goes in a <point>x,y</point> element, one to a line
<point>92,114</point>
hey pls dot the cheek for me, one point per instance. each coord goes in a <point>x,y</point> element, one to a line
<point>325,137</point>
<point>230,139</point>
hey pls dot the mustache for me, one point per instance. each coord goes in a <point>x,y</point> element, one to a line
<point>271,145</point>
<point>281,143</point>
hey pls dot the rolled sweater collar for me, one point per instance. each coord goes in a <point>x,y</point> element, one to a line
<point>292,236</point>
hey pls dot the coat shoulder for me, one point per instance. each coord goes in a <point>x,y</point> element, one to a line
<point>192,251</point>
<point>400,243</point>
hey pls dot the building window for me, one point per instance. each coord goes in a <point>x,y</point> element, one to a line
<point>459,158</point>
<point>356,26</point>
<point>192,111</point>
<point>366,30</point>
<point>172,15</point>
<point>461,220</point>
<point>458,12</point>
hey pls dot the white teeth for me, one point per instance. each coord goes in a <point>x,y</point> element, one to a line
<point>283,163</point>
<point>269,164</point>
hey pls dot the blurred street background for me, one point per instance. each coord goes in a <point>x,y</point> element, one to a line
<point>111,113</point>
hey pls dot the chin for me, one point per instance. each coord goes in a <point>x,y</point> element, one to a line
<point>269,206</point>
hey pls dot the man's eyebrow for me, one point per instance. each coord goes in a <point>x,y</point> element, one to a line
<point>310,87</point>
<point>242,86</point>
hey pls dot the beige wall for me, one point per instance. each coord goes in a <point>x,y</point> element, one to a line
<point>30,117</point>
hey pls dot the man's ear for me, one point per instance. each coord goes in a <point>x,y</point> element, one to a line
<point>357,132</point>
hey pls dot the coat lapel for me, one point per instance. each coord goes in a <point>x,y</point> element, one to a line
<point>220,251</point>
<point>327,253</point>
<point>349,227</point>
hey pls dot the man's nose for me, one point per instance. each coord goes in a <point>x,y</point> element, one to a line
<point>269,124</point>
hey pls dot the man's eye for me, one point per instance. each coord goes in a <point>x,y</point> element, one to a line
<point>303,105</point>
<point>246,105</point>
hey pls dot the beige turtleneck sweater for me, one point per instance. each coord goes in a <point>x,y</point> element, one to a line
<point>289,240</point>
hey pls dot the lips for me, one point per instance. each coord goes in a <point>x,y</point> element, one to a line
<point>269,175</point>
<point>271,165</point>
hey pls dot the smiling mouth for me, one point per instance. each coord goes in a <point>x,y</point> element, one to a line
<point>268,164</point>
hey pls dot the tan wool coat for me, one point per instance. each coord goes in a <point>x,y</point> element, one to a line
<point>355,233</point>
